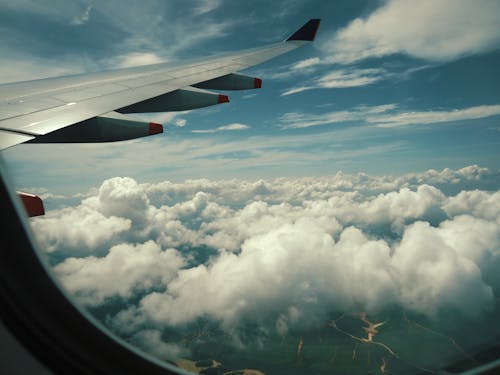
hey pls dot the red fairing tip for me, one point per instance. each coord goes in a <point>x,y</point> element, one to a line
<point>155,128</point>
<point>33,204</point>
<point>223,99</point>
<point>257,83</point>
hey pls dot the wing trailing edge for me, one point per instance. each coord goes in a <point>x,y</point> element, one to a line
<point>179,100</point>
<point>231,81</point>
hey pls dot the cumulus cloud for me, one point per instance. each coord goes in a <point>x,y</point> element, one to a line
<point>111,197</point>
<point>282,255</point>
<point>481,204</point>
<point>300,267</point>
<point>124,270</point>
<point>78,227</point>
<point>434,30</point>
<point>451,279</point>
<point>224,213</point>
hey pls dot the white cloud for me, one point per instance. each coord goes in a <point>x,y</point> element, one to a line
<point>433,117</point>
<point>135,59</point>
<point>296,90</point>
<point>300,266</point>
<point>234,126</point>
<point>307,63</point>
<point>181,122</point>
<point>295,120</point>
<point>342,78</point>
<point>125,270</point>
<point>434,274</point>
<point>351,78</point>
<point>205,6</point>
<point>111,195</point>
<point>286,72</point>
<point>387,116</point>
<point>481,204</point>
<point>434,30</point>
<point>78,227</point>
<point>223,128</point>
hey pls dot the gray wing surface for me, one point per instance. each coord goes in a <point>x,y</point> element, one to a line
<point>33,109</point>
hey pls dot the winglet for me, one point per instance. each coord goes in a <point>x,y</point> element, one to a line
<point>307,31</point>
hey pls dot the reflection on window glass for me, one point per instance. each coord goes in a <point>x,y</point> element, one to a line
<point>344,218</point>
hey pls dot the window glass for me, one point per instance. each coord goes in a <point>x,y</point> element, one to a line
<point>344,217</point>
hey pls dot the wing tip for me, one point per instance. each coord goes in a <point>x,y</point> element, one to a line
<point>33,204</point>
<point>307,32</point>
<point>222,99</point>
<point>155,128</point>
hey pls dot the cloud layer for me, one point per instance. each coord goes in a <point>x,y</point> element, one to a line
<point>278,251</point>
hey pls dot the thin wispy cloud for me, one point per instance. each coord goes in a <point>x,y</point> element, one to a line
<point>307,63</point>
<point>342,78</point>
<point>386,116</point>
<point>224,128</point>
<point>296,120</point>
<point>434,117</point>
<point>300,68</point>
<point>205,6</point>
<point>135,59</point>
<point>84,17</point>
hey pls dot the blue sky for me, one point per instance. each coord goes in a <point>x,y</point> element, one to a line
<point>388,87</point>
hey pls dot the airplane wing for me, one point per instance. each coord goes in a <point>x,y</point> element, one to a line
<point>41,331</point>
<point>93,107</point>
